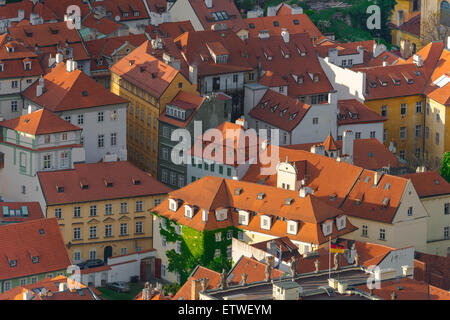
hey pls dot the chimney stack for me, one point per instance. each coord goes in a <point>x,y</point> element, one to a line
<point>285,35</point>
<point>418,61</point>
<point>205,215</point>
<point>347,144</point>
<point>196,286</point>
<point>377,177</point>
<point>209,4</point>
<point>62,286</point>
<point>59,58</point>
<point>27,295</point>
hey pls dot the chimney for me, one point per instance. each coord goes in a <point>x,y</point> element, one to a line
<point>209,4</point>
<point>146,292</point>
<point>193,74</point>
<point>318,149</point>
<point>196,286</point>
<point>347,143</point>
<point>27,295</point>
<point>39,90</point>
<point>385,63</point>
<point>62,286</point>
<point>242,122</point>
<point>285,35</point>
<point>418,61</point>
<point>59,58</point>
<point>377,177</point>
<point>69,65</point>
<point>302,192</point>
<point>205,215</point>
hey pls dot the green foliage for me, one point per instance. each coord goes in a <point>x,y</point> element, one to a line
<point>445,166</point>
<point>171,288</point>
<point>197,248</point>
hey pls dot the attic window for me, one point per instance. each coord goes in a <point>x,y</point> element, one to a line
<point>295,22</point>
<point>35,259</point>
<point>251,25</point>
<point>292,116</point>
<point>84,93</point>
<point>436,182</point>
<point>283,112</point>
<point>260,196</point>
<point>418,73</point>
<point>333,197</point>
<point>237,191</point>
<point>359,198</point>
<point>136,181</point>
<point>276,24</point>
<point>60,189</point>
<point>12,263</point>
<point>108,183</point>
<point>2,67</point>
<point>385,202</point>
<point>84,185</point>
<point>288,201</point>
<point>54,31</point>
<point>264,104</point>
<point>387,186</point>
<point>274,108</point>
<point>372,84</point>
<point>41,231</point>
<point>316,78</point>
<point>367,179</point>
<point>370,154</point>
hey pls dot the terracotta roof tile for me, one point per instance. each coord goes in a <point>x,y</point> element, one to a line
<point>33,209</point>
<point>254,269</point>
<point>428,184</point>
<point>207,17</point>
<point>122,174</point>
<point>199,273</point>
<point>43,236</point>
<point>71,90</point>
<point>38,123</point>
<point>169,29</point>
<point>353,111</point>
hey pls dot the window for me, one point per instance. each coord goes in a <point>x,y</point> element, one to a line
<point>77,256</point>
<point>180,181</point>
<point>163,241</point>
<point>139,227</point>
<point>108,230</point>
<point>123,229</point>
<point>281,89</point>
<point>77,212</point>
<point>384,111</point>
<point>364,231</point>
<point>172,178</point>
<point>410,211</point>
<point>23,282</point>
<point>113,115</point>
<point>446,232</point>
<point>403,109</point>
<point>418,130</point>
<point>427,132</point>
<point>218,236</point>
<point>92,232</point>
<point>357,135</point>
<point>402,154</point>
<point>163,270</point>
<point>113,139</point>
<point>92,254</point>
<point>417,153</point>
<point>100,116</point>
<point>447,208</point>
<point>14,84</point>
<point>101,141</point>
<point>419,106</point>
<point>14,106</point>
<point>139,206</point>
<point>157,202</point>
<point>235,78</point>
<point>315,120</point>
<point>382,234</point>
<point>217,253</point>
<point>229,172</point>
<point>76,234</point>
<point>80,119</point>
<point>123,207</point>
<point>47,161</point>
<point>403,133</point>
<point>178,247</point>
<point>437,138</point>
<point>108,209</point>
<point>47,139</point>
<point>372,134</point>
<point>229,234</point>
<point>93,211</point>
<point>123,251</point>
<point>58,213</point>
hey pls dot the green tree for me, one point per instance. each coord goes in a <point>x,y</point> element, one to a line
<point>445,166</point>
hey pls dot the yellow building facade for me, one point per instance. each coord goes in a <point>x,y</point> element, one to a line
<point>115,227</point>
<point>406,131</point>
<point>437,140</point>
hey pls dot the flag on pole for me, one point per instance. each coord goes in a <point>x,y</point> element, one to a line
<point>335,248</point>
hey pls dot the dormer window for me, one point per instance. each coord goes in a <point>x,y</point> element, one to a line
<point>188,212</point>
<point>341,222</point>
<point>264,104</point>
<point>316,78</point>
<point>12,263</point>
<point>243,217</point>
<point>27,65</point>
<point>327,228</point>
<point>274,108</point>
<point>300,80</point>
<point>136,13</point>
<point>265,222</point>
<point>221,214</point>
<point>292,116</point>
<point>173,205</point>
<point>124,14</point>
<point>292,227</point>
<point>35,259</point>
<point>2,67</point>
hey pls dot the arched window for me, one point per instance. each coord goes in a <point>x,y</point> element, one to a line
<point>445,13</point>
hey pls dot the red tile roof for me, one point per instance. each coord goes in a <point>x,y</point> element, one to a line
<point>293,23</point>
<point>254,269</point>
<point>194,48</point>
<point>279,110</point>
<point>104,25</point>
<point>199,273</point>
<point>411,26</point>
<point>79,294</point>
<point>48,245</point>
<point>288,248</point>
<point>206,17</point>
<point>33,209</point>
<point>435,92</point>
<point>407,289</point>
<point>71,90</point>
<point>337,183</point>
<point>298,61</point>
<point>38,123</point>
<point>428,184</point>
<point>211,193</point>
<point>169,29</point>
<point>186,101</point>
<point>145,71</point>
<point>96,269</point>
<point>121,173</point>
<point>353,111</point>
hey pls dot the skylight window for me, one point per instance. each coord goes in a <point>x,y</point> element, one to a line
<point>274,108</point>
<point>296,22</point>
<point>283,112</point>
<point>292,116</point>
<point>276,24</point>
<point>251,25</point>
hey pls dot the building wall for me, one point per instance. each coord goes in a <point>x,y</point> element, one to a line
<point>142,154</point>
<point>15,282</point>
<point>157,244</point>
<point>395,121</point>
<point>9,94</point>
<point>364,129</point>
<point>435,126</point>
<point>130,241</point>
<point>181,10</point>
<point>435,206</point>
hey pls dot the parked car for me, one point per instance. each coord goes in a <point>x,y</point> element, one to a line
<point>90,264</point>
<point>118,286</point>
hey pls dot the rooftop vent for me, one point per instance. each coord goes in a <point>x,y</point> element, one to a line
<point>260,196</point>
